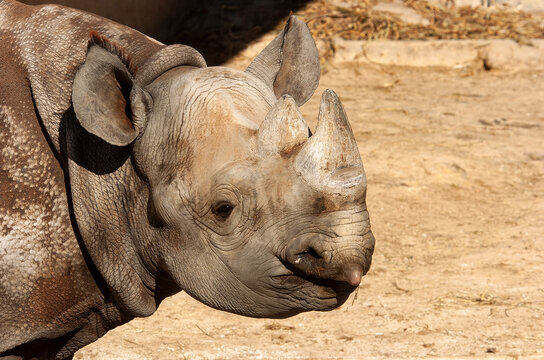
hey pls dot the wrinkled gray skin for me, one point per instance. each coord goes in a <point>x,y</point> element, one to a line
<point>122,183</point>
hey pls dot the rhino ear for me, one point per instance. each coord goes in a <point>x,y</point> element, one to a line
<point>101,95</point>
<point>290,63</point>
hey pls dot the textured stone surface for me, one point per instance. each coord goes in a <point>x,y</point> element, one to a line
<point>496,54</point>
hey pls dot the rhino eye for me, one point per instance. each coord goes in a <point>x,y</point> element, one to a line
<point>222,210</point>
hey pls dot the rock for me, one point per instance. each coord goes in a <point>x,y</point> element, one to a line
<point>403,12</point>
<point>508,54</point>
<point>490,54</point>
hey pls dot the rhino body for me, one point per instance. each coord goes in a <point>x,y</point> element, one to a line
<point>130,171</point>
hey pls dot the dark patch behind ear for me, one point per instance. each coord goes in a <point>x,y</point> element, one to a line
<point>88,150</point>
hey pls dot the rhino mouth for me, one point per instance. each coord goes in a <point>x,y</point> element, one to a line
<point>323,289</point>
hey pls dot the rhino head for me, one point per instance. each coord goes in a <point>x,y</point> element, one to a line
<point>224,192</point>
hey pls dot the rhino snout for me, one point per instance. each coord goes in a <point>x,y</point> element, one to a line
<point>314,259</point>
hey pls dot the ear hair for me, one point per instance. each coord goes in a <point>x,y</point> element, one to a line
<point>112,47</point>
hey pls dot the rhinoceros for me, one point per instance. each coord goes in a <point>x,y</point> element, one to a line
<point>129,171</point>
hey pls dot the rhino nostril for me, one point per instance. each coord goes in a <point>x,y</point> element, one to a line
<point>312,252</point>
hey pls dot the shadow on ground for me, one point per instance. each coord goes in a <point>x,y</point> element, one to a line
<point>219,29</point>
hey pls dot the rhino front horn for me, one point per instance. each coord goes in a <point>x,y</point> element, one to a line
<point>330,159</point>
<point>283,128</point>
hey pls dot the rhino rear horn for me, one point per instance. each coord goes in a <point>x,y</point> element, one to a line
<point>290,63</point>
<point>283,128</point>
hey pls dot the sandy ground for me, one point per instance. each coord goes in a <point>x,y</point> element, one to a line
<point>455,167</point>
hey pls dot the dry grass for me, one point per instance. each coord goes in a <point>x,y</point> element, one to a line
<point>361,22</point>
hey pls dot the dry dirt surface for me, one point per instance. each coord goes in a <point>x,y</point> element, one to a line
<point>455,167</point>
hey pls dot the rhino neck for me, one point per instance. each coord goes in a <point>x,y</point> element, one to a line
<point>109,202</point>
